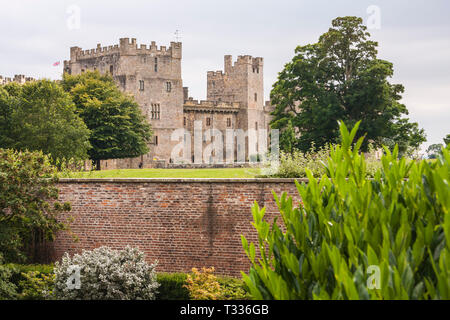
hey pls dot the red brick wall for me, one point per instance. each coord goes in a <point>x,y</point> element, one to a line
<point>182,223</point>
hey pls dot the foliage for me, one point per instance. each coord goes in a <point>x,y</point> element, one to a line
<point>27,201</point>
<point>341,78</point>
<point>172,286</point>
<point>118,128</point>
<point>447,140</point>
<point>106,274</point>
<point>204,285</point>
<point>8,290</point>
<point>434,150</point>
<point>36,285</point>
<point>233,289</point>
<point>349,229</point>
<point>294,165</point>
<point>40,116</point>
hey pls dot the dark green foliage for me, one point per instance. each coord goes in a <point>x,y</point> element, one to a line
<point>118,128</point>
<point>233,289</point>
<point>27,195</point>
<point>40,116</point>
<point>347,226</point>
<point>8,290</point>
<point>171,286</point>
<point>341,78</point>
<point>31,281</point>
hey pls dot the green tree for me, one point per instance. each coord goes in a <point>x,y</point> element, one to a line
<point>341,78</point>
<point>434,150</point>
<point>27,201</point>
<point>40,116</point>
<point>118,128</point>
<point>447,140</point>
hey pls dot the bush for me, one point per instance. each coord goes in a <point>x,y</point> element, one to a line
<point>7,287</point>
<point>204,285</point>
<point>106,274</point>
<point>37,286</point>
<point>33,282</point>
<point>354,238</point>
<point>28,202</point>
<point>172,286</point>
<point>294,165</point>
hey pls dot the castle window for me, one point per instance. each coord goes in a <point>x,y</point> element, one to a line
<point>141,85</point>
<point>256,97</point>
<point>156,140</point>
<point>228,122</point>
<point>256,125</point>
<point>111,69</point>
<point>156,111</point>
<point>208,121</point>
<point>184,121</point>
<point>156,64</point>
<point>168,86</point>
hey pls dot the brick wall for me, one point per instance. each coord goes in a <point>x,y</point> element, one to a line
<point>183,223</point>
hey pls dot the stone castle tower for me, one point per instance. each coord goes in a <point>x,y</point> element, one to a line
<point>235,97</point>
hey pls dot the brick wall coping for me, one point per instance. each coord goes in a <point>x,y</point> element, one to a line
<point>182,180</point>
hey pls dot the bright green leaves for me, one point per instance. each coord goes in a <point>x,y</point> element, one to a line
<point>353,238</point>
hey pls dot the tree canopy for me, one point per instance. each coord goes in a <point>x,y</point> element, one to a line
<point>40,116</point>
<point>118,128</point>
<point>341,78</point>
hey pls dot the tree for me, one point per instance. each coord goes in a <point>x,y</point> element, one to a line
<point>447,140</point>
<point>118,128</point>
<point>40,116</point>
<point>434,150</point>
<point>340,78</point>
<point>27,201</point>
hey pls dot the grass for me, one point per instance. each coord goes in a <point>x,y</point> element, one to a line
<point>168,173</point>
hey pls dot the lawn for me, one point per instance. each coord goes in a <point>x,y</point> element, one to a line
<point>169,173</point>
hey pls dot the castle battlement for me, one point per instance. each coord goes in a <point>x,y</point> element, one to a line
<point>18,78</point>
<point>211,104</point>
<point>126,46</point>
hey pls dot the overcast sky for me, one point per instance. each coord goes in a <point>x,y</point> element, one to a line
<point>414,35</point>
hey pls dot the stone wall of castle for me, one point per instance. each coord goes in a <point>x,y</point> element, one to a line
<point>235,96</point>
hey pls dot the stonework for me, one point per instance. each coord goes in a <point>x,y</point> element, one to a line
<point>235,96</point>
<point>18,78</point>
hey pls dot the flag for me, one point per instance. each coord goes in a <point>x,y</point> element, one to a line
<point>56,64</point>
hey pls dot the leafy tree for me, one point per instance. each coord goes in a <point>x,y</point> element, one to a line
<point>27,201</point>
<point>434,150</point>
<point>118,128</point>
<point>341,78</point>
<point>41,116</point>
<point>447,140</point>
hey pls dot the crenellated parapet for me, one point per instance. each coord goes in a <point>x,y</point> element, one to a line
<point>18,78</point>
<point>126,46</point>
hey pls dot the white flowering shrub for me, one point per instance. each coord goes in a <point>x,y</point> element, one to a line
<point>105,274</point>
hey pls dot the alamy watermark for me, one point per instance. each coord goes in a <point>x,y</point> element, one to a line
<point>73,21</point>
<point>74,280</point>
<point>374,17</point>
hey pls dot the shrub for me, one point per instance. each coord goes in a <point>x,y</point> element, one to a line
<point>204,285</point>
<point>172,286</point>
<point>7,287</point>
<point>27,201</point>
<point>106,274</point>
<point>354,238</point>
<point>294,165</point>
<point>36,286</point>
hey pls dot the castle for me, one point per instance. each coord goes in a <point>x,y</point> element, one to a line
<point>18,78</point>
<point>235,96</point>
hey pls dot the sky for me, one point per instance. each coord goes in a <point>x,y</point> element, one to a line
<point>414,35</point>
